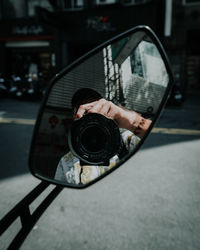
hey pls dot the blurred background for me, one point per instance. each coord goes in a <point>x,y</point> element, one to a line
<point>38,38</point>
<point>152,202</point>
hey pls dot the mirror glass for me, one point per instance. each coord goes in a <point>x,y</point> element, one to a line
<point>130,76</point>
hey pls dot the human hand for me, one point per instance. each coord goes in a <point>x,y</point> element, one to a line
<point>124,118</point>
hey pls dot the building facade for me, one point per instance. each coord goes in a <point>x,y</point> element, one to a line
<point>183,45</point>
<point>45,35</point>
<point>27,47</point>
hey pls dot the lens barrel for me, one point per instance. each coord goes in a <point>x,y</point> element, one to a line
<point>94,139</point>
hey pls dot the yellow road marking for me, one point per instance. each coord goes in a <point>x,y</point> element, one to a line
<point>17,121</point>
<point>174,131</point>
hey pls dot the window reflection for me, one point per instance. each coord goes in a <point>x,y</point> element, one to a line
<point>23,8</point>
<point>37,3</point>
<point>135,76</point>
<point>14,8</point>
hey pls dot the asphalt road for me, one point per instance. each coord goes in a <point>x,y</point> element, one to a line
<point>151,202</point>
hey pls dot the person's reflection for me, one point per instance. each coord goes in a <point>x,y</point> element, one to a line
<point>132,124</point>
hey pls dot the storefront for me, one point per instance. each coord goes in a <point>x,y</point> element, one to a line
<point>27,51</point>
<point>47,40</point>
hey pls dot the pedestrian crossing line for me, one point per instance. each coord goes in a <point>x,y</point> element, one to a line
<point>172,131</point>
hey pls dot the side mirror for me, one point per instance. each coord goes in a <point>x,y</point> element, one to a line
<point>131,71</point>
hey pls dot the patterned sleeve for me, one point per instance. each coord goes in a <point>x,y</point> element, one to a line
<point>69,168</point>
<point>130,139</point>
<point>59,175</point>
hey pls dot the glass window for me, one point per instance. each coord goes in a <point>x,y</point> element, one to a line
<point>134,2</point>
<point>73,4</point>
<point>191,2</point>
<point>105,2</point>
<point>79,3</point>
<point>34,3</point>
<point>14,8</point>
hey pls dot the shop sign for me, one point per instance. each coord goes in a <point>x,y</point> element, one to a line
<point>27,30</point>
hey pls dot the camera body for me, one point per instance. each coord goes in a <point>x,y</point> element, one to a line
<point>94,139</point>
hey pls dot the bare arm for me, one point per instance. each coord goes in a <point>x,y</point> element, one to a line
<point>127,119</point>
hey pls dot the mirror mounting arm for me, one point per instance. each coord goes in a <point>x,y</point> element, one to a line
<point>22,210</point>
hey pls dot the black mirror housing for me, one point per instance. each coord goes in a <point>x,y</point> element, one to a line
<point>132,72</point>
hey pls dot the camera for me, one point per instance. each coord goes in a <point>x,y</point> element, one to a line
<point>94,139</point>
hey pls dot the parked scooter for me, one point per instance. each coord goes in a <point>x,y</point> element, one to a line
<point>17,88</point>
<point>31,90</point>
<point>34,90</point>
<point>176,97</point>
<point>26,88</point>
<point>3,86</point>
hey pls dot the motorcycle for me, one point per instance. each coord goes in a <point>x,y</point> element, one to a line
<point>26,88</point>
<point>17,87</point>
<point>130,73</point>
<point>3,87</point>
<point>176,97</point>
<point>33,91</point>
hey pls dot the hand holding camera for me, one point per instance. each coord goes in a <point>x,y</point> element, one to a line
<point>127,119</point>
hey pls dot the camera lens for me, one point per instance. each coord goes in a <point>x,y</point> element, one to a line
<point>93,139</point>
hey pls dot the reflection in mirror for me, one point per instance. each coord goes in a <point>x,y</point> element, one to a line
<point>124,83</point>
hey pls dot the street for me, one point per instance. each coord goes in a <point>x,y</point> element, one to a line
<point>150,202</point>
